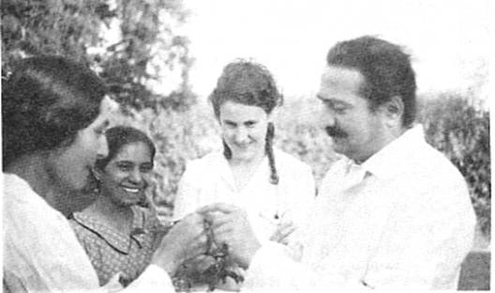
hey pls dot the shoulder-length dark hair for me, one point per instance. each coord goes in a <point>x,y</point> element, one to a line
<point>45,102</point>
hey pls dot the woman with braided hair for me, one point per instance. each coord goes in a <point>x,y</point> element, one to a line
<point>273,187</point>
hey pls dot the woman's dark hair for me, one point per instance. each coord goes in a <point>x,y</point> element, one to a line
<point>120,136</point>
<point>45,102</point>
<point>250,84</point>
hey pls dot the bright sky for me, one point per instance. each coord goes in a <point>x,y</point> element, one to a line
<point>448,39</point>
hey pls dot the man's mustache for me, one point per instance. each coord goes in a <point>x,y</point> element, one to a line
<point>335,132</point>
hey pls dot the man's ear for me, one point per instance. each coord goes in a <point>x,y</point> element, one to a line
<point>394,110</point>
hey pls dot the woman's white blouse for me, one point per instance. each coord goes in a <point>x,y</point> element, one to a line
<point>209,180</point>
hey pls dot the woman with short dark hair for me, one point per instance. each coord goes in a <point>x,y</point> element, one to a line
<point>54,117</point>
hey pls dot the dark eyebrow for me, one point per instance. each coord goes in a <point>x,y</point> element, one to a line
<point>147,164</point>
<point>333,101</point>
<point>320,98</point>
<point>228,121</point>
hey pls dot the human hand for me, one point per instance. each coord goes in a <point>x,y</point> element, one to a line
<point>230,226</point>
<point>283,231</point>
<point>185,240</point>
<point>199,263</point>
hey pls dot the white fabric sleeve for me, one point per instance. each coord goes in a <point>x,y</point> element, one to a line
<point>35,250</point>
<point>304,192</point>
<point>301,190</point>
<point>153,279</point>
<point>186,199</point>
<point>271,270</point>
<point>427,252</point>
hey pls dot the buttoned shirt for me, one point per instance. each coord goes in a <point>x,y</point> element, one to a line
<point>209,180</point>
<point>401,220</point>
<point>41,253</point>
<point>112,251</point>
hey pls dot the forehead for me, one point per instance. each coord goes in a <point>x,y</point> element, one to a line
<point>338,82</point>
<point>134,151</point>
<point>233,111</point>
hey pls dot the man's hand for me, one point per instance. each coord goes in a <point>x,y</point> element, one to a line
<point>185,240</point>
<point>230,226</point>
<point>283,231</point>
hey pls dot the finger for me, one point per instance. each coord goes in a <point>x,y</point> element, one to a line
<point>194,224</point>
<point>198,246</point>
<point>286,226</point>
<point>193,218</point>
<point>287,231</point>
<point>276,236</point>
<point>217,207</point>
<point>197,259</point>
<point>186,232</point>
<point>223,234</point>
<point>283,231</point>
<point>220,220</point>
<point>202,240</point>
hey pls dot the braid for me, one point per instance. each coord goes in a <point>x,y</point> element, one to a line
<point>270,134</point>
<point>227,152</point>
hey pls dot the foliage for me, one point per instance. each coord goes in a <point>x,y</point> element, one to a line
<point>462,133</point>
<point>219,268</point>
<point>33,27</point>
<point>147,48</point>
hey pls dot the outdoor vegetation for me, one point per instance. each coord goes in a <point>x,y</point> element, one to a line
<point>180,123</point>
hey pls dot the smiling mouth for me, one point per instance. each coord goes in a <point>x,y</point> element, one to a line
<point>131,190</point>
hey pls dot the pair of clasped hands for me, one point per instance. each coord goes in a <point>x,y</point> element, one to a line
<point>188,238</point>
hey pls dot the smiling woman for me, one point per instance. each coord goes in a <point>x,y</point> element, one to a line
<point>54,116</point>
<point>118,234</point>
<point>275,188</point>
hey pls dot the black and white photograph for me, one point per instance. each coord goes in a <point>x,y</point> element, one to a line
<point>246,145</point>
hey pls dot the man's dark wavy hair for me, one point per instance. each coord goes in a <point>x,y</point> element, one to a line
<point>386,69</point>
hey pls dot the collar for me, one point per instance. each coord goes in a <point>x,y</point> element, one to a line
<point>228,176</point>
<point>116,239</point>
<point>392,159</point>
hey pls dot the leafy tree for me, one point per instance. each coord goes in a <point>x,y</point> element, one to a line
<point>462,133</point>
<point>149,46</point>
<point>146,49</point>
<point>35,27</point>
<point>76,29</point>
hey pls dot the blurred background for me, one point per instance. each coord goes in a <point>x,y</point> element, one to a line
<point>161,59</point>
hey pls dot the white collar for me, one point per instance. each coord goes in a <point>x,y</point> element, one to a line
<point>392,158</point>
